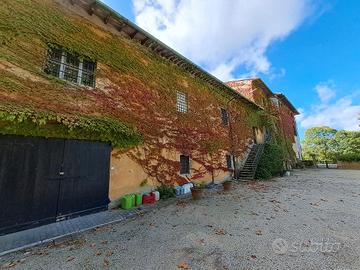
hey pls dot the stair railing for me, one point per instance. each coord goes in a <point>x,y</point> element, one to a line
<point>259,153</point>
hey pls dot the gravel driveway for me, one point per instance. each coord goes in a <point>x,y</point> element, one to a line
<point>310,220</point>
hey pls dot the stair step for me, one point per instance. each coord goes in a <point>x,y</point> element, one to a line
<point>249,167</point>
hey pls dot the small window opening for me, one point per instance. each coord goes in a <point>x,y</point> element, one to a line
<point>184,164</point>
<point>224,116</point>
<point>181,102</point>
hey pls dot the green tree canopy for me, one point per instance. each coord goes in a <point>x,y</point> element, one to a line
<point>320,143</point>
<point>348,145</point>
<point>327,144</point>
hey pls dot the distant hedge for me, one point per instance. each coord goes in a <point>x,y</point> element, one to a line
<point>349,157</point>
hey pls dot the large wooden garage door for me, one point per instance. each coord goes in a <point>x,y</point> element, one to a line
<point>45,180</point>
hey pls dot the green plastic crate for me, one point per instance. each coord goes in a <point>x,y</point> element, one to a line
<point>138,199</point>
<point>127,201</point>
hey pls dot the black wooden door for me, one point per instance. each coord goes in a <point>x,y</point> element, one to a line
<point>82,171</point>
<point>43,180</point>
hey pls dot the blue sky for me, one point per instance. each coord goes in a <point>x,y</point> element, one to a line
<point>308,50</point>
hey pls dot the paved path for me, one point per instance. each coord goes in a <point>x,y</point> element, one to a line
<point>50,232</point>
<point>307,221</point>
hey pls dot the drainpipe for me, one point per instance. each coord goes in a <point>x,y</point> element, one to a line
<point>232,151</point>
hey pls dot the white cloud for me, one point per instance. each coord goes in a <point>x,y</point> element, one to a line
<point>325,91</point>
<point>222,35</point>
<point>341,113</point>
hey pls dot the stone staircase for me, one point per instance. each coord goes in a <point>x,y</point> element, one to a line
<point>249,169</point>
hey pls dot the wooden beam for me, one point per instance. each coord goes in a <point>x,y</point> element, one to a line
<point>121,26</point>
<point>107,18</point>
<point>148,42</point>
<point>91,8</point>
<point>133,34</point>
<point>152,44</point>
<point>169,56</point>
<point>156,48</point>
<point>163,52</point>
<point>73,2</point>
<point>142,42</point>
<point>178,61</point>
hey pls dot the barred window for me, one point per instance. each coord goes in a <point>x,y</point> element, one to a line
<point>181,102</point>
<point>184,164</point>
<point>71,67</point>
<point>229,162</point>
<point>275,101</point>
<point>224,116</point>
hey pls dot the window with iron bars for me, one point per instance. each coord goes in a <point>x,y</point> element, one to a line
<point>184,164</point>
<point>224,116</point>
<point>71,67</point>
<point>181,102</point>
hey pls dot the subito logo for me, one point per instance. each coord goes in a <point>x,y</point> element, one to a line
<point>280,246</point>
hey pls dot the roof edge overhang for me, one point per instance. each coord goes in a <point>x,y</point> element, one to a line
<point>131,30</point>
<point>284,99</point>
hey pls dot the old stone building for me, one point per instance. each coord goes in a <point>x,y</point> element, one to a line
<point>276,105</point>
<point>92,106</point>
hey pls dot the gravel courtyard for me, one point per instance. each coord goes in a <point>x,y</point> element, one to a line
<point>310,220</point>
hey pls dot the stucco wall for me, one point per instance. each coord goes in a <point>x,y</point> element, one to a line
<point>128,176</point>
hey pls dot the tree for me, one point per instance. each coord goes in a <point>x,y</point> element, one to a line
<point>320,144</point>
<point>348,145</point>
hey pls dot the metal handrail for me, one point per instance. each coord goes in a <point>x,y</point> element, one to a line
<point>259,152</point>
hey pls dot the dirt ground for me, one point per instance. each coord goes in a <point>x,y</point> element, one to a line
<point>310,220</point>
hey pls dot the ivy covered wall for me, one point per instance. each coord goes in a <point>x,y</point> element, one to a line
<point>133,104</point>
<point>279,120</point>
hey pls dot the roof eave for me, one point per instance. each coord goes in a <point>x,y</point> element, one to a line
<point>108,15</point>
<point>288,103</point>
